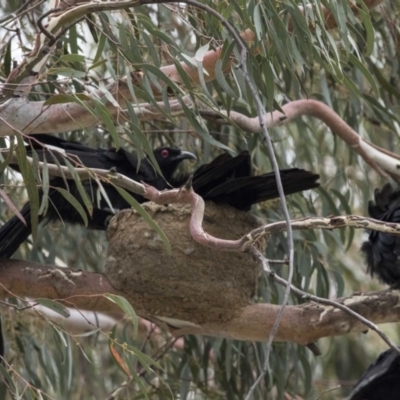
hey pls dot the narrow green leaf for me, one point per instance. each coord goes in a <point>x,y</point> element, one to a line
<point>68,72</point>
<point>365,16</point>
<point>75,203</point>
<point>201,52</point>
<point>87,334</point>
<point>72,58</point>
<point>102,112</point>
<point>45,188</point>
<point>220,76</point>
<point>127,308</point>
<point>151,49</point>
<point>361,67</point>
<point>100,48</point>
<point>84,196</point>
<point>54,306</point>
<point>29,180</point>
<point>384,83</point>
<point>8,378</point>
<point>226,52</point>
<point>97,64</point>
<point>66,98</point>
<point>139,382</point>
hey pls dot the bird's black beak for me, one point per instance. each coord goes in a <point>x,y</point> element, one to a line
<point>186,155</point>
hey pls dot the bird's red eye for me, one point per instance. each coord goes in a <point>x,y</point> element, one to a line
<point>164,153</point>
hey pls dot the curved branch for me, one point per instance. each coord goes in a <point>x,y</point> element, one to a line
<point>188,196</point>
<point>383,161</point>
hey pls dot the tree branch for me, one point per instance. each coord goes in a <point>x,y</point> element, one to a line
<point>79,288</point>
<point>34,117</point>
<point>301,324</point>
<point>383,161</point>
<point>305,323</point>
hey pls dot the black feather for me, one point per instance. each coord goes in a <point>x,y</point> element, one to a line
<point>382,250</point>
<point>228,180</point>
<point>381,381</point>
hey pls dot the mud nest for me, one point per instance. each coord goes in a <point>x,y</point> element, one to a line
<point>193,283</point>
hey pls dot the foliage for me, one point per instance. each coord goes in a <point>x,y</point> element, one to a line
<point>353,69</point>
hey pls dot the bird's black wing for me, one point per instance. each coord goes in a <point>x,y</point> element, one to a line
<point>228,180</point>
<point>381,381</point>
<point>53,148</point>
<point>81,155</point>
<point>382,250</point>
<point>242,193</point>
<point>221,169</point>
<point>383,198</point>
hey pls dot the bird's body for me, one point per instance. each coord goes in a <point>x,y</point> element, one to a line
<point>381,381</point>
<point>382,250</point>
<point>225,180</point>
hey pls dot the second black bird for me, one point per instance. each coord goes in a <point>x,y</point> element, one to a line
<point>382,250</point>
<point>381,381</point>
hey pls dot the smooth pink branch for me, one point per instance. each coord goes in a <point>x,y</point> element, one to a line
<point>187,195</point>
<point>383,161</point>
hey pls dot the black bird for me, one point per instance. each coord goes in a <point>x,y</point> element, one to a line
<point>381,381</point>
<point>382,250</point>
<point>228,180</point>
<point>225,180</point>
<point>14,232</point>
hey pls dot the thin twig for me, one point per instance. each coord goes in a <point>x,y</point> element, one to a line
<point>42,28</point>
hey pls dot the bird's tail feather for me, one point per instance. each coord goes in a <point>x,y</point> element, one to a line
<point>243,192</point>
<point>14,232</point>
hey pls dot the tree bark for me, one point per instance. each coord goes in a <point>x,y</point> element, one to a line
<point>301,324</point>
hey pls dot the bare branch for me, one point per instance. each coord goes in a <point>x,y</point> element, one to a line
<point>383,161</point>
<point>79,288</point>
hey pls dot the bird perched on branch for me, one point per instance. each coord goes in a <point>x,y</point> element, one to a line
<point>228,180</point>
<point>14,232</point>
<point>382,250</point>
<point>381,381</point>
<point>225,180</point>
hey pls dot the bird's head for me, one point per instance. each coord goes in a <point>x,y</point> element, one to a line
<point>169,158</point>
